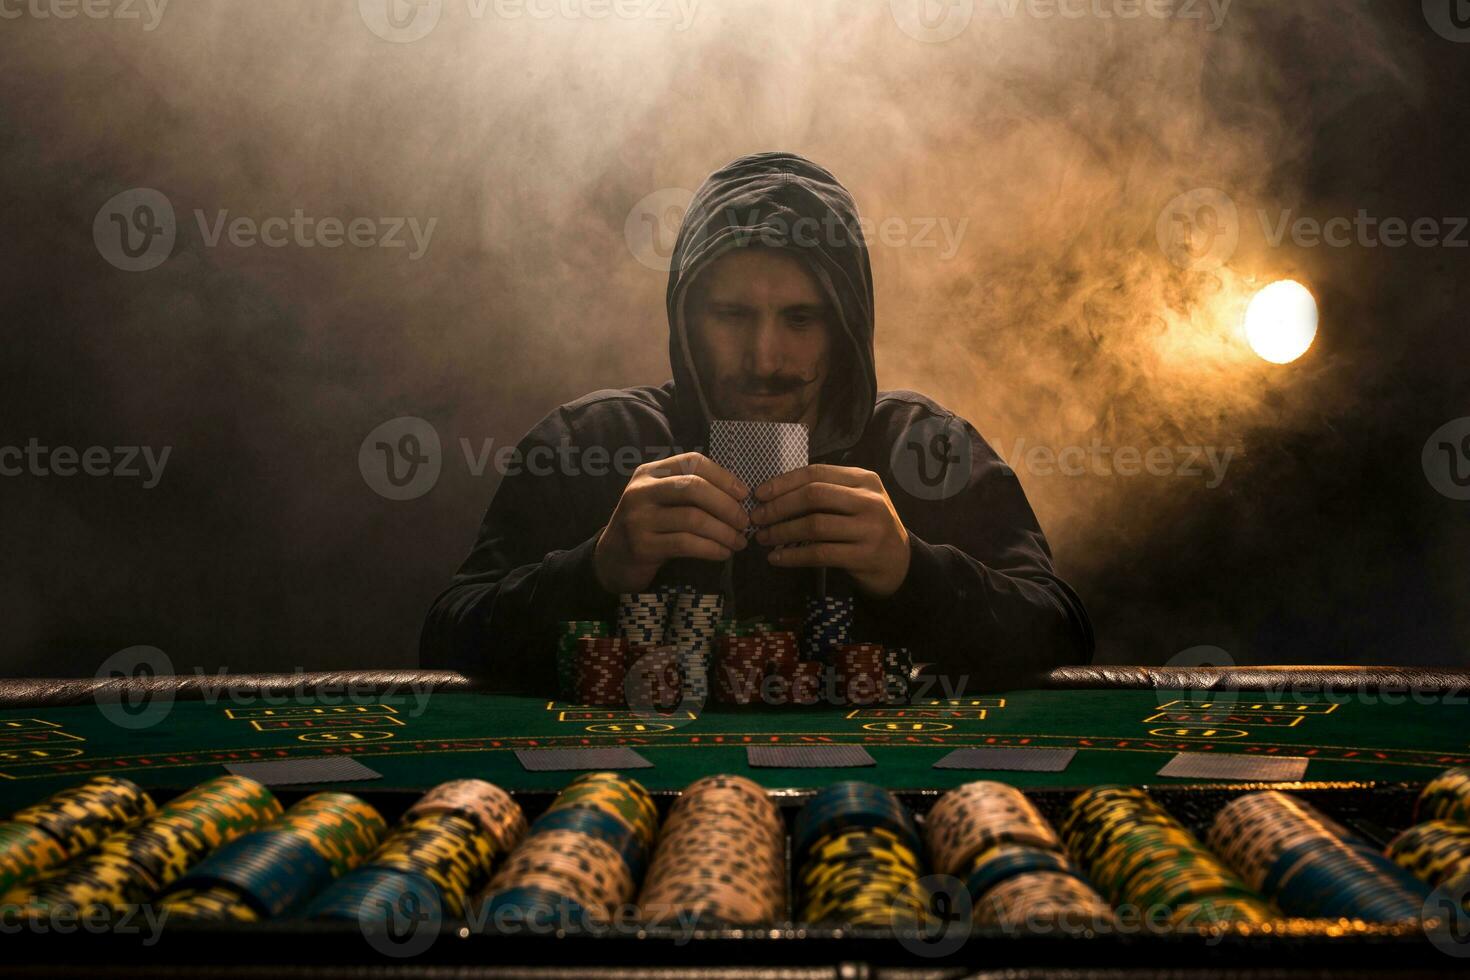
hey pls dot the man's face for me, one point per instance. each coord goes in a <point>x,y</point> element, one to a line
<point>760,331</point>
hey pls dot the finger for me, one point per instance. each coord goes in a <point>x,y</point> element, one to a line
<point>808,498</point>
<point>701,522</point>
<point>813,527</point>
<point>846,476</point>
<point>695,491</point>
<point>821,554</point>
<point>698,464</point>
<point>682,544</point>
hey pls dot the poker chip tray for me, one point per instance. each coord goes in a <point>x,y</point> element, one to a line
<point>1373,810</point>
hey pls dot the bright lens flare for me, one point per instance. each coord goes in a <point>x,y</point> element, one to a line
<point>1281,321</point>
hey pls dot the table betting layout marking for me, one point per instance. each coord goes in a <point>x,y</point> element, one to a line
<point>1215,719</point>
<point>34,740</point>
<point>332,724</point>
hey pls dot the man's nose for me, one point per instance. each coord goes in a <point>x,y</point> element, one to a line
<point>763,355</point>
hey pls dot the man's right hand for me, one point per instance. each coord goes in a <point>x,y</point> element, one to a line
<point>685,506</point>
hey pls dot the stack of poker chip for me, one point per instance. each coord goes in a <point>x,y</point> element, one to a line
<point>783,659</point>
<point>643,617</point>
<point>1311,865</point>
<point>806,682</point>
<point>1014,866</point>
<point>440,853</point>
<point>721,858</point>
<point>42,837</point>
<point>568,633</point>
<point>653,677</point>
<point>1137,854</point>
<point>740,667</point>
<point>136,863</point>
<point>856,850</point>
<point>693,623</point>
<point>828,625</point>
<point>1445,797</point>
<point>274,870</point>
<point>898,667</point>
<point>601,671</point>
<point>582,858</point>
<point>1436,852</point>
<point>859,673</point>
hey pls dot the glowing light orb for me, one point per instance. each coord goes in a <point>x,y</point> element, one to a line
<point>1281,321</point>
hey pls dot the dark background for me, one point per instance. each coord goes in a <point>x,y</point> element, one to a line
<point>1058,318</point>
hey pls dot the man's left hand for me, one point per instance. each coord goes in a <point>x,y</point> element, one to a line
<point>837,517</point>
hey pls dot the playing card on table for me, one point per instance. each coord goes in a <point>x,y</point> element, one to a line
<point>757,451</point>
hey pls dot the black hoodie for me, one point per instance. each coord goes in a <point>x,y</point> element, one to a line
<point>980,601</point>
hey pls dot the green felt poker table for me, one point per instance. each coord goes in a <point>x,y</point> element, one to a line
<point>1369,737</point>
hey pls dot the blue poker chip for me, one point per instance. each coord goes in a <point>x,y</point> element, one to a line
<point>272,870</point>
<point>851,805</point>
<point>601,825</point>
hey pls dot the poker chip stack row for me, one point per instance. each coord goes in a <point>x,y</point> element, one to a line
<point>1309,864</point>
<point>1136,853</point>
<point>274,870</point>
<point>1445,797</point>
<point>693,623</point>
<point>583,857</point>
<point>1436,852</point>
<point>828,626</point>
<point>441,853</point>
<point>567,636</point>
<point>65,825</point>
<point>721,857</point>
<point>859,673</point>
<point>136,863</point>
<point>856,850</point>
<point>1014,866</point>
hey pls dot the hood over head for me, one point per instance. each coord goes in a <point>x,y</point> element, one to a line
<point>785,201</point>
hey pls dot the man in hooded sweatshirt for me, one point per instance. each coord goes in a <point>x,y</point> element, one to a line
<point>903,507</point>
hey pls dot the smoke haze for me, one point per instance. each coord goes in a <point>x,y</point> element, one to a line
<point>1014,174</point>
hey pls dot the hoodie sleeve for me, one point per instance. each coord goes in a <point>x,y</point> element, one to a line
<point>981,602</point>
<point>530,568</point>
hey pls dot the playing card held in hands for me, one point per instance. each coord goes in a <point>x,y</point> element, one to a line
<point>757,451</point>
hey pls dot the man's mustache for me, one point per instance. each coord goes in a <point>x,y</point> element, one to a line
<point>773,386</point>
